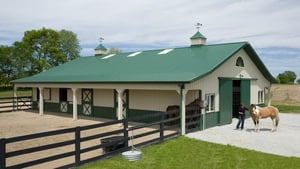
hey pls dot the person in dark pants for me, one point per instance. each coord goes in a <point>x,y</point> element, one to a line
<point>242,110</point>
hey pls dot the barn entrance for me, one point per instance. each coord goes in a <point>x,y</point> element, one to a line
<point>236,97</point>
<point>232,93</point>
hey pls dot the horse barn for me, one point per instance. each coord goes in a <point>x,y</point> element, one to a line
<point>122,85</point>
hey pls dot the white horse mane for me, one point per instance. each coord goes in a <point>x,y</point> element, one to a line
<point>256,111</point>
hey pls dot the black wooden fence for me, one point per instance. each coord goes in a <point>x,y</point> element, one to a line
<point>157,130</point>
<point>8,104</point>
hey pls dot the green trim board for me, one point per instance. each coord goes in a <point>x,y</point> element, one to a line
<point>212,119</point>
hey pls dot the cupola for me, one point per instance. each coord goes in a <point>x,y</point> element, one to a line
<point>100,49</point>
<point>198,39</point>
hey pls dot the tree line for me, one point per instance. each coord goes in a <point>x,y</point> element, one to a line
<point>287,77</point>
<point>38,51</point>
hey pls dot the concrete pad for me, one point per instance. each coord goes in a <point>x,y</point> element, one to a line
<point>285,141</point>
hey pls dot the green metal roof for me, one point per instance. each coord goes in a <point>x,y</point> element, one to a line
<point>198,35</point>
<point>164,66</point>
<point>100,47</point>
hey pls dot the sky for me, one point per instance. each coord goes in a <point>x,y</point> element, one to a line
<point>272,27</point>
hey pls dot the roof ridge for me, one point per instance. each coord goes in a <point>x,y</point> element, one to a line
<point>182,47</point>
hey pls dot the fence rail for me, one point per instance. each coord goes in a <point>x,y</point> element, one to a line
<point>79,138</point>
<point>8,104</point>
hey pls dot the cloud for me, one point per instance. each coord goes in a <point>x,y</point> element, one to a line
<point>133,24</point>
<point>280,59</point>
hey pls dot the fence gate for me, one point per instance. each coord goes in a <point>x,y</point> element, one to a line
<point>87,102</point>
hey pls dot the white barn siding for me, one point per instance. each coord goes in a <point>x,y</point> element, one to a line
<point>54,92</point>
<point>104,97</point>
<point>210,83</point>
<point>156,100</point>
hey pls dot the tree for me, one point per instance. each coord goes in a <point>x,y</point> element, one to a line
<point>114,51</point>
<point>298,81</point>
<point>286,77</point>
<point>6,65</point>
<point>42,49</point>
<point>69,44</point>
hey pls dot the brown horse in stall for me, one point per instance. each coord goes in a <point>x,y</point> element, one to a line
<point>174,110</point>
<point>264,112</point>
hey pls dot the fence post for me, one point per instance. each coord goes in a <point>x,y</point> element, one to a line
<point>77,146</point>
<point>14,103</point>
<point>2,153</point>
<point>125,125</point>
<point>161,125</point>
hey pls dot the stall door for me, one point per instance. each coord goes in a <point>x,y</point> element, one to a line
<point>245,94</point>
<point>87,102</point>
<point>225,102</point>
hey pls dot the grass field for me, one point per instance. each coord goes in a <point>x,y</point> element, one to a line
<point>9,93</point>
<point>189,153</point>
<point>287,108</point>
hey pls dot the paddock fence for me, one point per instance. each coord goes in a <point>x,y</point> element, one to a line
<point>72,147</point>
<point>8,104</point>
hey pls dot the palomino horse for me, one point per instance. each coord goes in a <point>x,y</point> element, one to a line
<point>264,112</point>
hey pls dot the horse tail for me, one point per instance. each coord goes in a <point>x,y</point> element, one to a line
<point>277,118</point>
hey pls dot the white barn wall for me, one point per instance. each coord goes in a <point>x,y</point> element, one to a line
<point>210,83</point>
<point>156,100</point>
<point>54,95</point>
<point>104,97</point>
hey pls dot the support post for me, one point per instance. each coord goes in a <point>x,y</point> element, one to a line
<point>125,125</point>
<point>2,153</point>
<point>162,126</point>
<point>183,111</point>
<point>41,101</point>
<point>74,103</point>
<point>120,104</point>
<point>77,146</point>
<point>182,92</point>
<point>15,99</point>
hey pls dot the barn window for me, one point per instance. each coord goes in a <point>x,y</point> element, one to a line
<point>239,62</point>
<point>210,102</point>
<point>260,96</point>
<point>63,94</point>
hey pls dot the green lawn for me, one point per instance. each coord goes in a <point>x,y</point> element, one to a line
<point>9,93</point>
<point>287,108</point>
<point>186,153</point>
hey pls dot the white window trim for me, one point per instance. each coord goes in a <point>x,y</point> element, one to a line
<point>209,102</point>
<point>260,96</point>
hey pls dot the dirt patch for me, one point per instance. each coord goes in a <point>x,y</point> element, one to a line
<point>20,123</point>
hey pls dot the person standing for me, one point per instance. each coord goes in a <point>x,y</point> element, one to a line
<point>242,110</point>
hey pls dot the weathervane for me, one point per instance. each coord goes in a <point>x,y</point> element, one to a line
<point>198,25</point>
<point>101,39</point>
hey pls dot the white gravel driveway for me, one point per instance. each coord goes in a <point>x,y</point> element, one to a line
<point>285,141</point>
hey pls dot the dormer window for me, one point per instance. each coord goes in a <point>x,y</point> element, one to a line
<point>239,62</point>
